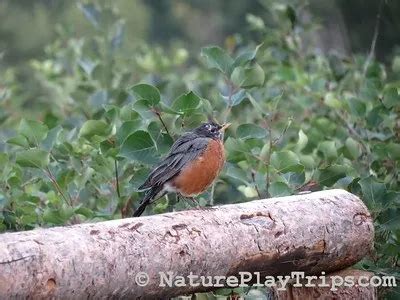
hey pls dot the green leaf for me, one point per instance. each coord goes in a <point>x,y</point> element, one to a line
<point>248,77</point>
<point>87,65</point>
<point>84,211</point>
<point>52,216</point>
<point>34,158</point>
<point>235,150</point>
<point>247,191</point>
<point>217,58</point>
<point>19,140</point>
<point>279,189</point>
<point>235,99</point>
<point>255,104</point>
<point>308,161</point>
<point>294,179</point>
<point>143,108</point>
<point>393,150</point>
<point>146,92</point>
<point>291,14</point>
<point>126,129</point>
<point>237,173</point>
<point>353,148</point>
<point>357,107</point>
<point>331,101</point>
<point>186,103</point>
<point>91,13</point>
<point>255,22</point>
<point>139,146</point>
<point>374,117</point>
<point>330,175</point>
<point>108,148</point>
<point>373,191</point>
<point>34,131</point>
<point>249,131</point>
<point>302,141</point>
<point>391,97</point>
<point>238,97</point>
<point>168,110</point>
<point>328,148</point>
<point>51,138</point>
<point>111,112</point>
<point>94,127</point>
<point>286,161</point>
<point>127,113</point>
<point>3,160</point>
<point>162,140</point>
<point>98,99</point>
<point>337,65</point>
<point>246,57</point>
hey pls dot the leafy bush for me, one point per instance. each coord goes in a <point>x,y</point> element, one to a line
<point>301,121</point>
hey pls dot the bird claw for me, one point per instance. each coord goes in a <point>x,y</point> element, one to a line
<point>194,200</point>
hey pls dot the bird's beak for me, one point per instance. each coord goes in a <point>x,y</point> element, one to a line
<point>225,126</point>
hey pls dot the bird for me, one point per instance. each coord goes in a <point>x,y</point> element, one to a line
<point>191,166</point>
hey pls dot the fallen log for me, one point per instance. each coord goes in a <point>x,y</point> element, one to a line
<point>322,231</point>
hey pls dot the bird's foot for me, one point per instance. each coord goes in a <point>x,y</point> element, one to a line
<point>194,200</point>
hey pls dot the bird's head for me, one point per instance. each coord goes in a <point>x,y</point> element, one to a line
<point>211,130</point>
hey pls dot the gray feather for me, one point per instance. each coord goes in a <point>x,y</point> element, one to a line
<point>187,148</point>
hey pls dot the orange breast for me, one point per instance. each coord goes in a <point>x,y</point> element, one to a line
<point>197,176</point>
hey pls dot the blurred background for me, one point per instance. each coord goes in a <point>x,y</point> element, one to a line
<point>345,26</point>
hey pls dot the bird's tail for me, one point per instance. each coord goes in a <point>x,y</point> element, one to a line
<point>140,209</point>
<point>148,198</point>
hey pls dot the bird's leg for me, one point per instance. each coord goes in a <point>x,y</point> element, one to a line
<point>178,197</point>
<point>194,200</point>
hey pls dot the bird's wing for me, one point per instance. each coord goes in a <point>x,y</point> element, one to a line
<point>184,150</point>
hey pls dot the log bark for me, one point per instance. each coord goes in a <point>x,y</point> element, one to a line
<point>322,231</point>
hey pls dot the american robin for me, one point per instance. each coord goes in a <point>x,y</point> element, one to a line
<point>193,163</point>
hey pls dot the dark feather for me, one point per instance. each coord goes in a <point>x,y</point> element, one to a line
<point>148,198</point>
<point>184,150</point>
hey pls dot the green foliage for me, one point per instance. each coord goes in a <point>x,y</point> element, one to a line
<point>186,104</point>
<point>34,158</point>
<point>248,131</point>
<point>218,58</point>
<point>146,92</point>
<point>94,127</point>
<point>299,122</point>
<point>139,146</point>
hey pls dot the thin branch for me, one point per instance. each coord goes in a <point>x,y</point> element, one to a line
<point>277,140</point>
<point>117,178</point>
<point>375,37</point>
<point>162,121</point>
<point>225,118</point>
<point>57,186</point>
<point>353,132</point>
<point>125,209</point>
<point>232,90</point>
<point>268,162</point>
<point>253,177</point>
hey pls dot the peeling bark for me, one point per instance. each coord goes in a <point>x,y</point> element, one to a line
<point>322,231</point>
